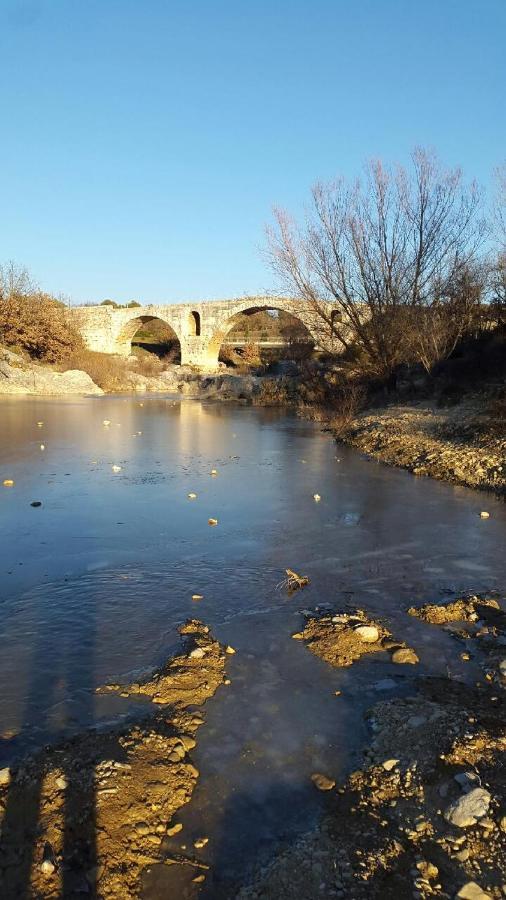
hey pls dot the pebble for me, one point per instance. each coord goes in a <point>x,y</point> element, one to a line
<point>298,636</point>
<point>502,667</point>
<point>229,649</point>
<point>367,633</point>
<point>322,782</point>
<point>404,655</point>
<point>390,764</point>
<point>201,842</point>
<point>5,776</point>
<point>427,869</point>
<point>468,809</point>
<point>198,653</point>
<point>174,829</point>
<point>502,823</point>
<point>472,891</point>
<point>47,867</point>
<point>142,828</point>
<point>61,783</point>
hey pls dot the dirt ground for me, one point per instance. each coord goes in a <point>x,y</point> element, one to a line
<point>88,816</point>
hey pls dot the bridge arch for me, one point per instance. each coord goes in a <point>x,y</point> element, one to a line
<point>227,323</point>
<point>134,325</point>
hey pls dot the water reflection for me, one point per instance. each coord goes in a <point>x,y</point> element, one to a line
<point>94,583</point>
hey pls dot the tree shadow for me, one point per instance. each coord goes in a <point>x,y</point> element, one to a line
<point>22,817</point>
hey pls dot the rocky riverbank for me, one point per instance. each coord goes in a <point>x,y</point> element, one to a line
<point>90,816</point>
<point>464,444</point>
<point>21,376</point>
<point>426,815</point>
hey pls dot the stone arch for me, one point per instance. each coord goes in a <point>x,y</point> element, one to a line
<point>194,323</point>
<point>228,322</point>
<point>130,328</point>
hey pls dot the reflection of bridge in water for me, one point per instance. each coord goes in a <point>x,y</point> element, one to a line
<point>201,328</point>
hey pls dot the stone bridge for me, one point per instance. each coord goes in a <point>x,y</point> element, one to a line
<point>199,327</point>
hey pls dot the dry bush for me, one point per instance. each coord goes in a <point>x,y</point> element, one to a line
<point>147,364</point>
<point>33,321</point>
<point>250,356</point>
<point>111,373</point>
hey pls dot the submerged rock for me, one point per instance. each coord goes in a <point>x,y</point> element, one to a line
<point>322,782</point>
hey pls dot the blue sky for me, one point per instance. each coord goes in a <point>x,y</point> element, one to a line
<point>144,142</point>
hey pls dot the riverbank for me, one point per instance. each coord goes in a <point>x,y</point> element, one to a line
<point>463,444</point>
<point>426,815</point>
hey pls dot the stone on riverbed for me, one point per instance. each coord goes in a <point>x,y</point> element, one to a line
<point>367,633</point>
<point>472,891</point>
<point>466,810</point>
<point>322,782</point>
<point>404,655</point>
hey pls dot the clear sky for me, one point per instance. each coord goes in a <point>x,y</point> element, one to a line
<point>144,142</point>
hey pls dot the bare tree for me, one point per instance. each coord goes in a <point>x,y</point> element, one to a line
<point>378,249</point>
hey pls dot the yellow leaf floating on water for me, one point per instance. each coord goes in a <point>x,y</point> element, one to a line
<point>316,498</point>
<point>42,446</point>
<point>8,482</point>
<point>197,596</point>
<point>192,495</point>
<point>116,468</point>
<point>106,422</point>
<point>214,471</point>
<point>484,515</point>
<point>212,521</point>
<point>229,649</point>
<point>40,424</point>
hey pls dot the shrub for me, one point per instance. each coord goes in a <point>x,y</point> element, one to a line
<point>34,321</point>
<point>111,373</point>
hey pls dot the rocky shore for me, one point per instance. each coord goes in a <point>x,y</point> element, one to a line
<point>426,815</point>
<point>464,444</point>
<point>19,376</point>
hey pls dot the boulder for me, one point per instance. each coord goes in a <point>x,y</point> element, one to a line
<point>466,810</point>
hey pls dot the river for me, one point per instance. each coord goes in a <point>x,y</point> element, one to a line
<point>94,582</point>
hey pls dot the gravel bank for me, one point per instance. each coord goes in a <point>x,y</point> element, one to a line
<point>464,444</point>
